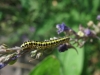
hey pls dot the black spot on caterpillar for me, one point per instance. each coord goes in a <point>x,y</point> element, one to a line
<point>43,45</point>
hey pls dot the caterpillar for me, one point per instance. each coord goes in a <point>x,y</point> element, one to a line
<point>43,45</point>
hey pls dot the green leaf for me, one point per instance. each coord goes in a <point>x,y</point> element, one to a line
<point>49,66</point>
<point>12,62</point>
<point>95,4</point>
<point>72,63</point>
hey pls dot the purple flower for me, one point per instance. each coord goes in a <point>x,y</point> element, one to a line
<point>62,48</point>
<point>87,32</point>
<point>61,28</point>
<point>2,65</point>
<point>10,58</point>
<point>98,17</point>
<point>15,57</point>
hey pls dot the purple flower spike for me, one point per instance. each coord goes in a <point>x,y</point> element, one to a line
<point>14,58</point>
<point>87,32</point>
<point>61,28</point>
<point>2,65</point>
<point>62,48</point>
<point>98,17</point>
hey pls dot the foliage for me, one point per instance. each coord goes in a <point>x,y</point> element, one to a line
<point>46,67</point>
<point>72,63</point>
<point>21,20</point>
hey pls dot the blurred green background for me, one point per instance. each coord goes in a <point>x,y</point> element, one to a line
<point>22,20</point>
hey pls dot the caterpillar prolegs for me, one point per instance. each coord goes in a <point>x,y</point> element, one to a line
<point>40,47</point>
<point>43,45</point>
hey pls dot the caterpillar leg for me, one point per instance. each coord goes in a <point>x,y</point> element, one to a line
<point>33,53</point>
<point>39,54</point>
<point>36,54</point>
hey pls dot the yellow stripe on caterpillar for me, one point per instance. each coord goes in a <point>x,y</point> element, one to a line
<point>43,45</point>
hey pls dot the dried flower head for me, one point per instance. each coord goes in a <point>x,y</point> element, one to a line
<point>80,34</point>
<point>90,23</point>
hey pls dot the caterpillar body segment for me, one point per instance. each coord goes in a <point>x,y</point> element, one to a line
<point>44,45</point>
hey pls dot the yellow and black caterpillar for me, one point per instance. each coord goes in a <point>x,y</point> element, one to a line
<point>44,45</point>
